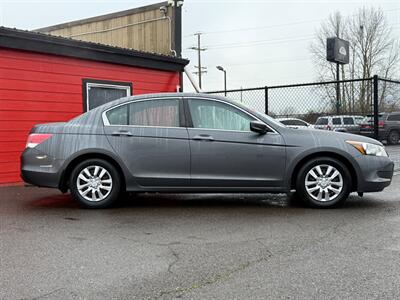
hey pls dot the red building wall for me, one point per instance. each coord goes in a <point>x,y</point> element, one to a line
<point>39,88</point>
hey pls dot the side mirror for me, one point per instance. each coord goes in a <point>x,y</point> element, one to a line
<point>258,127</point>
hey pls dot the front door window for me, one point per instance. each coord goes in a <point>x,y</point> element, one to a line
<point>217,115</point>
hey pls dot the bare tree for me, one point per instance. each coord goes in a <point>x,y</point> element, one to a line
<point>373,50</point>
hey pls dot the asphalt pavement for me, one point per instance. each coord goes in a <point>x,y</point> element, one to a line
<point>231,246</point>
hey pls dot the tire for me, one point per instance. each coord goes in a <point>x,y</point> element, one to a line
<point>326,192</point>
<point>393,137</point>
<point>95,183</point>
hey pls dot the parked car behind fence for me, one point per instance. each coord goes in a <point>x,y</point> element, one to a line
<point>295,123</point>
<point>388,125</point>
<point>350,124</point>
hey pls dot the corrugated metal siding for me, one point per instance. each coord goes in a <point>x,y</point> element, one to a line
<point>153,36</point>
<point>38,88</point>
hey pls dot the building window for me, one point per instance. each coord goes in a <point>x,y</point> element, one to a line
<point>99,92</point>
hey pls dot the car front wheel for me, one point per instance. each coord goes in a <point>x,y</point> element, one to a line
<point>95,183</point>
<point>323,182</point>
<point>393,138</point>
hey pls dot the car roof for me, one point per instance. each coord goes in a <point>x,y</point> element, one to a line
<point>164,95</point>
<point>287,119</point>
<point>341,116</point>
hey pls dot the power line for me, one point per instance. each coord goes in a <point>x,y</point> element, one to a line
<point>261,27</point>
<point>256,28</point>
<point>268,62</point>
<point>272,26</point>
<point>244,45</point>
<point>260,41</point>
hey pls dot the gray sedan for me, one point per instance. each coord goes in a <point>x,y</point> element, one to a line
<point>198,143</point>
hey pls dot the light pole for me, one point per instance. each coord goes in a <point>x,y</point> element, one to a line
<point>223,70</point>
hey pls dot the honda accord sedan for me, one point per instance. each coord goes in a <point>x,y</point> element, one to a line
<point>198,143</point>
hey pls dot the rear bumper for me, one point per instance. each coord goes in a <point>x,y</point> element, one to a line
<point>39,169</point>
<point>376,173</point>
<point>43,179</point>
<point>382,134</point>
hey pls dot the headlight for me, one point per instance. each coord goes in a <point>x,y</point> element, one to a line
<point>368,149</point>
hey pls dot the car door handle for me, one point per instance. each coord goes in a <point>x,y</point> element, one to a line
<point>203,137</point>
<point>122,133</point>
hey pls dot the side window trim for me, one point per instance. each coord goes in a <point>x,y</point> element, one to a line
<point>188,115</point>
<point>106,122</point>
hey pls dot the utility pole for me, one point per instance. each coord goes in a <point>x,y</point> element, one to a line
<point>200,69</point>
<point>338,100</point>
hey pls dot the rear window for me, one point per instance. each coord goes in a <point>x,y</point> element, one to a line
<point>293,122</point>
<point>336,121</point>
<point>322,121</point>
<point>370,118</point>
<point>395,117</point>
<point>359,120</point>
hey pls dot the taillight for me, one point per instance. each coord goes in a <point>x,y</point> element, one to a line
<point>328,127</point>
<point>381,124</point>
<point>35,139</point>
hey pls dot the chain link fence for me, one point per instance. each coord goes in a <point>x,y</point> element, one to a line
<point>365,106</point>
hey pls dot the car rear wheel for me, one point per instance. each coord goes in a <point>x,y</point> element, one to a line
<point>95,183</point>
<point>323,182</point>
<point>393,137</point>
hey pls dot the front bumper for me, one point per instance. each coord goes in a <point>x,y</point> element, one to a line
<point>376,173</point>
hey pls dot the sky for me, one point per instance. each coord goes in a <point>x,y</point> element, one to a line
<point>258,42</point>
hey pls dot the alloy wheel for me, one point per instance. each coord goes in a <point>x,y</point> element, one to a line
<point>324,183</point>
<point>94,183</point>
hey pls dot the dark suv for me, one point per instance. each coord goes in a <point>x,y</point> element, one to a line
<point>389,127</point>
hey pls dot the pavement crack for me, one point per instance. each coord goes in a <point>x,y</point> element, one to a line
<point>218,277</point>
<point>47,294</point>
<point>176,259</point>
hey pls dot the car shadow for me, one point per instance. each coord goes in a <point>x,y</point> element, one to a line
<point>163,200</point>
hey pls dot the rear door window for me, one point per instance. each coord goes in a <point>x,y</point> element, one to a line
<point>336,121</point>
<point>118,115</point>
<point>159,113</point>
<point>348,121</point>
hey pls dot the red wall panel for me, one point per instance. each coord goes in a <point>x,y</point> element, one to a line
<point>39,88</point>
